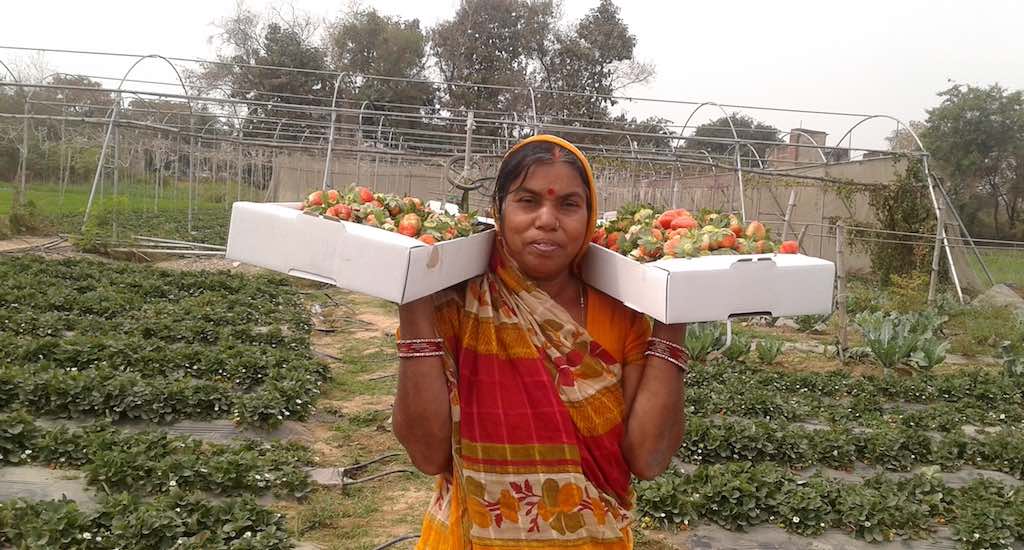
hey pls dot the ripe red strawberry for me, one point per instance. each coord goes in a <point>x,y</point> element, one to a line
<point>684,222</point>
<point>789,247</point>
<point>333,196</point>
<point>428,238</point>
<point>413,204</point>
<point>599,236</point>
<point>410,225</point>
<point>365,195</point>
<point>763,247</point>
<point>613,241</point>
<point>316,198</point>
<point>728,241</point>
<point>343,211</point>
<point>755,231</point>
<point>372,220</point>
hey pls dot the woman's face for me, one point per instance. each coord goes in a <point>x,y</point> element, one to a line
<point>544,220</point>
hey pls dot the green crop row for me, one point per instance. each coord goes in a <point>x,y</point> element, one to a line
<point>892,448</point>
<point>154,462</point>
<point>738,495</point>
<point>176,520</point>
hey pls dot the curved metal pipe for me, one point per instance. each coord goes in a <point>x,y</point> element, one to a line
<point>817,146</point>
<point>892,118</point>
<point>113,119</point>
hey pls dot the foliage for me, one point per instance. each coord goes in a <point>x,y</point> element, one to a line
<point>894,448</point>
<point>895,339</point>
<point>768,350</point>
<point>520,43</point>
<point>903,206</point>
<point>809,323</point>
<point>740,495</point>
<point>124,341</point>
<point>720,132</point>
<point>739,348</point>
<point>365,42</point>
<point>178,520</point>
<point>702,339</point>
<point>976,136</point>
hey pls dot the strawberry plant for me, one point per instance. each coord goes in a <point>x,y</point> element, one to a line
<point>768,350</point>
<point>702,339</point>
<point>738,348</point>
<point>808,507</point>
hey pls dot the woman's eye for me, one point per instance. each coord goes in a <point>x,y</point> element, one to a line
<point>571,204</point>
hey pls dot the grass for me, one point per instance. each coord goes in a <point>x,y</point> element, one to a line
<point>1006,266</point>
<point>64,213</point>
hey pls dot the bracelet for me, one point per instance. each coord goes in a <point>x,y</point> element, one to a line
<point>682,366</point>
<point>420,347</point>
<point>422,354</point>
<point>663,342</point>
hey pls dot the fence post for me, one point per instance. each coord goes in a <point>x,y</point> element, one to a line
<point>940,232</point>
<point>841,286</point>
<point>789,213</point>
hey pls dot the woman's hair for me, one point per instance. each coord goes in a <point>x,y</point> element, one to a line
<point>516,166</point>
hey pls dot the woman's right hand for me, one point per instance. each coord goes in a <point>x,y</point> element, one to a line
<point>422,414</point>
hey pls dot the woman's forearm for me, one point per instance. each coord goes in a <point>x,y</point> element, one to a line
<point>422,414</point>
<point>655,424</point>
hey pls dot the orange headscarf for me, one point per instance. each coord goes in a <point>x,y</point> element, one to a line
<point>591,187</point>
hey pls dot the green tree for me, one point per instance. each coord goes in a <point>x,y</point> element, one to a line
<point>274,95</point>
<point>521,43</point>
<point>364,42</point>
<point>748,129</point>
<point>976,136</point>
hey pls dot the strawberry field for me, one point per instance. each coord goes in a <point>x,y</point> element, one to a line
<point>914,437</point>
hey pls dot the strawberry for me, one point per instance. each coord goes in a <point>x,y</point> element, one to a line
<point>789,247</point>
<point>316,198</point>
<point>684,222</point>
<point>377,204</point>
<point>613,241</point>
<point>333,211</point>
<point>344,212</point>
<point>428,238</point>
<point>763,247</point>
<point>599,237</point>
<point>755,231</point>
<point>727,241</point>
<point>412,204</point>
<point>410,225</point>
<point>364,195</point>
<point>333,196</point>
<point>665,219</point>
<point>372,220</point>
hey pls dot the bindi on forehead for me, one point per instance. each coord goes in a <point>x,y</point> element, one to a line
<point>551,191</point>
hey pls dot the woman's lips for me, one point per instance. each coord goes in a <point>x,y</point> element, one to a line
<point>545,246</point>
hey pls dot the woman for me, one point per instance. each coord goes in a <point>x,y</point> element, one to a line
<point>533,397</point>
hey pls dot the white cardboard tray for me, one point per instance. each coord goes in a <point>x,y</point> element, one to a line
<point>715,288</point>
<point>280,237</point>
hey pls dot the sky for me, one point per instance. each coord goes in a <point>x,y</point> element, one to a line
<point>866,57</point>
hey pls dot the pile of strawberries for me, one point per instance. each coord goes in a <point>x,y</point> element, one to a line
<point>405,215</point>
<point>646,236</point>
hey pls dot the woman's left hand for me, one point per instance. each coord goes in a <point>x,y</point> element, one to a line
<point>655,423</point>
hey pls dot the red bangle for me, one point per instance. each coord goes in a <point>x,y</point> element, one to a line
<point>671,352</point>
<point>420,347</point>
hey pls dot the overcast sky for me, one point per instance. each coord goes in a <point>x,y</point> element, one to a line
<point>868,56</point>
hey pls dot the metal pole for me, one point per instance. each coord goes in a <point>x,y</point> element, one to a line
<point>24,154</point>
<point>330,140</point>
<point>936,253</point>
<point>117,155</point>
<point>938,215</point>
<point>789,213</point>
<point>739,180</point>
<point>841,283</point>
<point>102,159</point>
<point>191,169</point>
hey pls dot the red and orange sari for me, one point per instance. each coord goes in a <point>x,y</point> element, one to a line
<point>538,412</point>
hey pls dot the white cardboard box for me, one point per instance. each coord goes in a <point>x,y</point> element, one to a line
<point>280,237</point>
<point>715,288</point>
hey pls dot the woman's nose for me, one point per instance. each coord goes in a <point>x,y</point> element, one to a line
<point>547,218</point>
